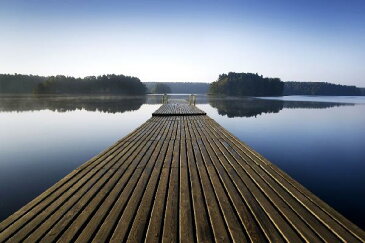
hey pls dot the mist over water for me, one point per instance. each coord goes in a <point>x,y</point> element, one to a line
<point>319,141</point>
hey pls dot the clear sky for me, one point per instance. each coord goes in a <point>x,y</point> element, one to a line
<point>185,40</point>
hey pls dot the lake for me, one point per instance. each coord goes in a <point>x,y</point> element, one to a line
<point>319,141</point>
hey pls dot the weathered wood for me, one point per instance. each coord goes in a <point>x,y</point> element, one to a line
<point>178,177</point>
<point>181,108</point>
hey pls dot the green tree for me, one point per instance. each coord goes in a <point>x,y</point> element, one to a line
<point>246,84</point>
<point>161,88</point>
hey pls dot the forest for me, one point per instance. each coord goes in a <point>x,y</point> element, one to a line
<point>231,84</point>
<point>180,87</point>
<point>159,88</point>
<point>362,90</point>
<point>19,83</point>
<point>105,84</point>
<point>246,84</point>
<point>319,88</point>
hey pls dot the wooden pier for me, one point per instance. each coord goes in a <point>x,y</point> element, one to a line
<point>178,177</point>
<point>178,107</point>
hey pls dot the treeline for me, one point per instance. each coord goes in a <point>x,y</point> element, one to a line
<point>180,87</point>
<point>231,84</point>
<point>19,83</point>
<point>246,84</point>
<point>319,88</point>
<point>362,91</point>
<point>160,88</point>
<point>104,84</point>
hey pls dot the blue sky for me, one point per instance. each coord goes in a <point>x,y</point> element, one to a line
<point>185,40</point>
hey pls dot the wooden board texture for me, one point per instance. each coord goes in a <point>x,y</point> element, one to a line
<point>178,109</point>
<point>178,178</point>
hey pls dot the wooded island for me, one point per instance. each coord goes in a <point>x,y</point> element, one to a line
<point>231,84</point>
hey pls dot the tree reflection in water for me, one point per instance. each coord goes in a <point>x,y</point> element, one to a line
<point>249,107</point>
<point>230,106</point>
<point>109,104</point>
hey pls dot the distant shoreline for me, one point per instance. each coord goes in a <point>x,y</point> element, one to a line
<point>19,84</point>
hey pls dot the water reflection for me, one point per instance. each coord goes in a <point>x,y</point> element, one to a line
<point>251,107</point>
<point>110,104</point>
<point>43,139</point>
<point>230,107</point>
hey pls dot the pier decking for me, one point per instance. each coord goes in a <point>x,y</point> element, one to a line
<point>178,177</point>
<point>178,108</point>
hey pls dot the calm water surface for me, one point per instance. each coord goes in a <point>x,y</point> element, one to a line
<point>317,140</point>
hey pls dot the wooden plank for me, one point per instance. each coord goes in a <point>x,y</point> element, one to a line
<point>186,222</point>
<point>314,200</point>
<point>140,222</point>
<point>171,219</point>
<point>202,225</point>
<point>233,224</point>
<point>106,229</point>
<point>79,172</point>
<point>146,180</point>
<point>251,227</point>
<point>216,218</point>
<point>109,192</point>
<point>73,209</point>
<point>178,177</point>
<point>249,199</point>
<point>279,203</point>
<point>178,110</point>
<point>346,236</point>
<point>288,206</point>
<point>56,199</point>
<point>155,225</point>
<point>137,233</point>
<point>274,211</point>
